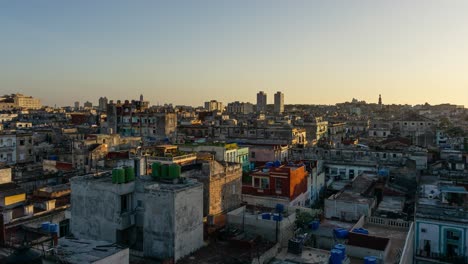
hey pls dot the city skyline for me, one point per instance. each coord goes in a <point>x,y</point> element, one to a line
<point>314,52</point>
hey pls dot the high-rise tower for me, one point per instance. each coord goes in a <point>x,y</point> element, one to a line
<point>279,102</point>
<point>261,101</point>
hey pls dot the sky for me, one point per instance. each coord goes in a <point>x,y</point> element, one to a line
<point>188,52</point>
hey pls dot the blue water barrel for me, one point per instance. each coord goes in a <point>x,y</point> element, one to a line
<point>277,163</point>
<point>361,231</point>
<point>279,208</point>
<point>342,248</point>
<point>269,164</point>
<point>53,228</point>
<point>370,260</point>
<point>53,157</point>
<point>314,225</point>
<point>266,216</point>
<point>278,217</point>
<point>335,257</point>
<point>45,226</point>
<point>341,232</point>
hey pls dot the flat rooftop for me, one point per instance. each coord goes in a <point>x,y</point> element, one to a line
<point>308,256</point>
<point>147,180</point>
<point>397,238</point>
<point>81,251</point>
<point>225,252</point>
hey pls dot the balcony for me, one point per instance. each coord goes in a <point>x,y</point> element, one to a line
<point>7,147</point>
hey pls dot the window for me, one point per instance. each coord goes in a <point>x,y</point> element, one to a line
<point>423,230</point>
<point>278,185</point>
<point>22,142</point>
<point>342,173</point>
<point>252,154</point>
<point>256,182</point>
<point>265,183</point>
<point>453,235</point>
<point>125,203</point>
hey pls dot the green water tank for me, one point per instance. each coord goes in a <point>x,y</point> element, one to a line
<point>120,176</point>
<point>165,171</point>
<point>156,170</point>
<point>174,171</point>
<point>114,176</point>
<point>129,174</point>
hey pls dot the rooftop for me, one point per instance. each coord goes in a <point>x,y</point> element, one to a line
<point>308,256</point>
<point>80,251</point>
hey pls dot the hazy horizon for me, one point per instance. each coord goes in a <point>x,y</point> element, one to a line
<point>185,53</point>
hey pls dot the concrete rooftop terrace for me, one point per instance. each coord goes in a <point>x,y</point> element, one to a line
<point>81,251</point>
<point>146,180</point>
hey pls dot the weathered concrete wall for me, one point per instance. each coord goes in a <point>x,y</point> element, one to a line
<point>349,210</point>
<point>158,238</point>
<point>173,221</point>
<point>222,186</point>
<point>266,201</point>
<point>225,188</point>
<point>188,221</point>
<point>95,208</point>
<point>254,224</point>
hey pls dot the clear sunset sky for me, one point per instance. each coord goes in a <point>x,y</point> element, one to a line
<point>187,52</point>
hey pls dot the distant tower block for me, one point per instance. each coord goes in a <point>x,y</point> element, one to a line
<point>141,97</point>
<point>380,100</point>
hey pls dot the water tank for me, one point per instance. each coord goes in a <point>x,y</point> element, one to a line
<point>266,216</point>
<point>340,232</point>
<point>54,228</point>
<point>174,171</point>
<point>164,171</point>
<point>114,176</point>
<point>314,225</point>
<point>120,176</point>
<point>336,256</point>
<point>45,226</point>
<point>269,164</point>
<point>53,157</point>
<point>370,260</point>
<point>361,230</point>
<point>277,217</point>
<point>279,208</point>
<point>277,163</point>
<point>342,248</point>
<point>129,174</point>
<point>156,170</point>
<point>295,245</point>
